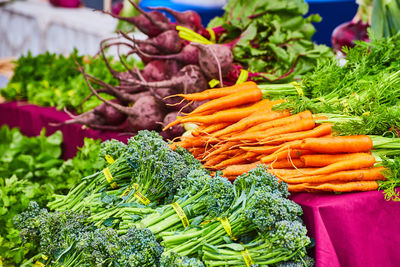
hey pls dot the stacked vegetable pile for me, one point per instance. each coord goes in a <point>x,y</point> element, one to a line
<point>31,170</point>
<point>181,58</point>
<point>237,130</point>
<point>154,206</point>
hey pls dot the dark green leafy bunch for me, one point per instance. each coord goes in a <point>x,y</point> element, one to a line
<point>272,39</point>
<point>174,260</point>
<point>67,239</point>
<point>202,198</point>
<point>287,240</point>
<point>53,80</point>
<point>365,88</point>
<point>258,205</point>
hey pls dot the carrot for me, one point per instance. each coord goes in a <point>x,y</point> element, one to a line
<point>318,131</point>
<point>188,142</point>
<point>261,149</point>
<point>243,157</point>
<point>346,187</point>
<point>283,121</point>
<point>217,92</point>
<point>292,153</point>
<point>238,169</point>
<point>321,160</point>
<point>285,174</point>
<point>215,127</point>
<point>302,125</point>
<point>227,115</point>
<point>338,144</point>
<point>372,174</point>
<point>253,119</point>
<point>221,148</point>
<point>298,187</point>
<point>359,162</point>
<point>198,130</point>
<point>215,160</point>
<point>232,152</point>
<point>283,164</point>
<point>249,95</point>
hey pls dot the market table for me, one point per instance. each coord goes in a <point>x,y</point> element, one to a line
<point>357,229</point>
<point>31,119</point>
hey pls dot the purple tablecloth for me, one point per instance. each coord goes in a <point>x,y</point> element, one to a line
<point>31,119</point>
<point>350,230</point>
<point>357,229</point>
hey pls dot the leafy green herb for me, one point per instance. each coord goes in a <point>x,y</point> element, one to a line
<point>272,39</point>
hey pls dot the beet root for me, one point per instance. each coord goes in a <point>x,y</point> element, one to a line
<point>146,113</point>
<point>189,19</point>
<point>173,131</point>
<point>110,115</point>
<point>158,70</point>
<point>187,56</point>
<point>189,79</point>
<point>215,60</point>
<point>167,42</point>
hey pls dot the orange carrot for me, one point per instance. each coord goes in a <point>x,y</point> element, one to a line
<point>221,148</point>
<point>218,92</point>
<point>298,188</point>
<point>242,97</point>
<point>283,121</point>
<point>363,161</point>
<point>338,144</point>
<point>215,160</point>
<point>321,160</point>
<point>266,150</point>
<point>215,127</point>
<point>232,152</point>
<point>346,187</point>
<point>372,174</point>
<point>284,164</point>
<point>318,131</point>
<point>227,115</point>
<point>241,158</point>
<point>292,153</point>
<point>302,125</point>
<point>253,119</point>
<point>285,174</point>
<point>238,169</point>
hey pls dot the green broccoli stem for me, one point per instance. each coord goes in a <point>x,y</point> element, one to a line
<point>168,218</point>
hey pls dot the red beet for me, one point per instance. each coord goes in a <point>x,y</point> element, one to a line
<point>189,79</point>
<point>189,19</point>
<point>167,42</point>
<point>174,131</point>
<point>345,34</point>
<point>110,115</point>
<point>187,56</point>
<point>215,60</point>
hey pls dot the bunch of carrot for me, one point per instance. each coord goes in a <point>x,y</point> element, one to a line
<point>237,130</point>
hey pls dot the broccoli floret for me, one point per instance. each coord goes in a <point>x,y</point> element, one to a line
<point>219,197</point>
<point>195,181</point>
<point>306,261</point>
<point>291,235</point>
<point>54,232</point>
<point>113,148</point>
<point>266,208</point>
<point>259,179</point>
<point>174,260</point>
<point>138,247</point>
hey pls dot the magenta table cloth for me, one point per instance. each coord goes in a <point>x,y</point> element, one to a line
<point>31,119</point>
<point>354,229</point>
<point>350,230</point>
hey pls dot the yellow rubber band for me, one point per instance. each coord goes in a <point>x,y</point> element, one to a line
<point>109,178</point>
<point>181,214</point>
<point>137,194</point>
<point>45,257</point>
<point>109,159</point>
<point>213,83</point>
<point>38,264</point>
<point>247,258</point>
<point>227,226</point>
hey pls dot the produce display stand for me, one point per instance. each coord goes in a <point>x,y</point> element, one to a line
<point>355,229</point>
<point>31,119</point>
